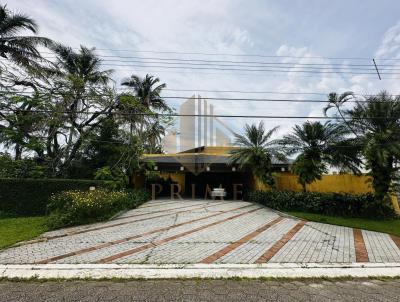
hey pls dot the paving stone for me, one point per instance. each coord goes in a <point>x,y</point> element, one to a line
<point>188,231</point>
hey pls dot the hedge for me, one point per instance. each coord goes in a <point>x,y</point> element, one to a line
<point>21,196</point>
<point>333,204</point>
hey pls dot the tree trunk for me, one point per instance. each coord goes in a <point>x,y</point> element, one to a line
<point>18,152</point>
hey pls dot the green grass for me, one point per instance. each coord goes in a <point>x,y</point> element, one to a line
<point>13,230</point>
<point>385,226</point>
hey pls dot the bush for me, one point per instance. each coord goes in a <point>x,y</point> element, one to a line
<point>334,204</point>
<point>30,196</point>
<point>79,207</point>
<point>22,168</point>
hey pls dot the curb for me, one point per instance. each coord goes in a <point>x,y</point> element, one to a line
<point>209,271</point>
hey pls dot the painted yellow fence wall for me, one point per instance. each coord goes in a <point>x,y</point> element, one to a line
<point>344,183</point>
<point>340,183</point>
<point>176,177</point>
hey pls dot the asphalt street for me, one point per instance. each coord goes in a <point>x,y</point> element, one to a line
<point>201,290</point>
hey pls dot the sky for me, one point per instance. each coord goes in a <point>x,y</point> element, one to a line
<point>281,31</point>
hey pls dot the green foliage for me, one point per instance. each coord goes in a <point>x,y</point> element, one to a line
<point>256,151</point>
<point>307,170</point>
<point>375,124</point>
<point>113,179</point>
<point>23,168</point>
<point>320,146</point>
<point>30,197</point>
<point>78,207</point>
<point>70,118</point>
<point>346,205</point>
<point>14,46</point>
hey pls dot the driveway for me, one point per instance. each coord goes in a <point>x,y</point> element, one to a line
<point>198,231</point>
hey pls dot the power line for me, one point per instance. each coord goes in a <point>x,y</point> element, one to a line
<point>261,92</point>
<point>214,98</point>
<point>251,74</point>
<point>192,115</point>
<point>91,139</point>
<point>242,55</point>
<point>126,89</point>
<point>217,62</point>
<point>253,70</point>
<point>313,67</point>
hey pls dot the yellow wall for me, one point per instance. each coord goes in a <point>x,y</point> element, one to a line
<point>176,177</point>
<point>345,183</point>
<point>340,183</point>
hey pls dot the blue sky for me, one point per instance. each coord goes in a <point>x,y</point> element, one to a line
<point>286,28</point>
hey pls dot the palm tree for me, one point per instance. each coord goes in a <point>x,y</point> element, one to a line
<point>377,124</point>
<point>256,151</point>
<point>80,68</point>
<point>320,146</point>
<point>81,89</point>
<point>19,49</point>
<point>336,101</point>
<point>154,136</point>
<point>147,90</point>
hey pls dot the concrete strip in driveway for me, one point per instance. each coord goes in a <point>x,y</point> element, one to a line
<point>165,271</point>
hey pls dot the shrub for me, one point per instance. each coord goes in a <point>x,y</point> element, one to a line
<point>78,207</point>
<point>334,204</point>
<point>30,196</point>
<point>22,168</point>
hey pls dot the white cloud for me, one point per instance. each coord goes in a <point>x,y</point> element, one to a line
<point>207,27</point>
<point>390,47</point>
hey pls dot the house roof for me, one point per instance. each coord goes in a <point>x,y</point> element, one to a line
<point>199,158</point>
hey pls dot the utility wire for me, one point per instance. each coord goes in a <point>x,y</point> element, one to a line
<point>218,62</point>
<point>259,92</point>
<point>241,55</point>
<point>192,115</point>
<point>351,100</point>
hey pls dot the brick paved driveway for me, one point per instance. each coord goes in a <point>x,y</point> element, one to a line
<point>198,231</point>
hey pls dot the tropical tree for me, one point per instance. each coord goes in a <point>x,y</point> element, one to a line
<point>376,122</point>
<point>256,151</point>
<point>154,135</point>
<point>147,90</point>
<point>319,146</point>
<point>22,122</point>
<point>141,108</point>
<point>81,100</point>
<point>337,101</point>
<point>15,47</point>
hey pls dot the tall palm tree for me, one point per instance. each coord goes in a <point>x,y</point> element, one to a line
<point>81,88</point>
<point>256,151</point>
<point>80,68</point>
<point>147,90</point>
<point>17,48</point>
<point>336,101</point>
<point>377,124</point>
<point>319,146</point>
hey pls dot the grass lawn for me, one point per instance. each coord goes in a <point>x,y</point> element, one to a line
<point>13,230</point>
<point>385,226</point>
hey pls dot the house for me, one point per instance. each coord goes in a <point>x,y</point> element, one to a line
<point>207,166</point>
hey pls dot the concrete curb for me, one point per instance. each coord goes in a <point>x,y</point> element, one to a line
<point>171,271</point>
